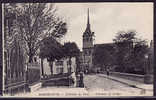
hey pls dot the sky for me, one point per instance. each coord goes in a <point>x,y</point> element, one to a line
<point>106,19</point>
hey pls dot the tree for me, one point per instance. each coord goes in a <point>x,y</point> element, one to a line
<point>140,49</point>
<point>124,44</point>
<point>130,51</point>
<point>35,21</point>
<point>103,55</point>
<point>123,36</point>
<point>70,50</point>
<point>51,49</point>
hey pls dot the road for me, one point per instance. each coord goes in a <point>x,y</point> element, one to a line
<point>97,83</point>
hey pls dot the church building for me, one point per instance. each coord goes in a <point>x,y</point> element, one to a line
<point>88,46</point>
<point>92,63</point>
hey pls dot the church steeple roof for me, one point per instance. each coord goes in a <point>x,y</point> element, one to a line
<point>88,30</point>
<point>88,24</point>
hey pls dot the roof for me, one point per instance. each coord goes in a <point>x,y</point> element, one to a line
<point>105,45</point>
<point>88,30</point>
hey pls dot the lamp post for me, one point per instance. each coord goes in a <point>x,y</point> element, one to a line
<point>146,64</point>
<point>147,77</point>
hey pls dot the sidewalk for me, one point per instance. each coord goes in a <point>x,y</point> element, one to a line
<point>148,87</point>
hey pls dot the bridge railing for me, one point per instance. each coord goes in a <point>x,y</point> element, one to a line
<point>133,77</point>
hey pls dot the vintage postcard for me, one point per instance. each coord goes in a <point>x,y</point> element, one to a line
<point>77,49</point>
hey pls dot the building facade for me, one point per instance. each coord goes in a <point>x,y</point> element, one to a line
<point>59,66</point>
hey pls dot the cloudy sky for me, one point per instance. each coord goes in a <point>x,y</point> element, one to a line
<point>106,20</point>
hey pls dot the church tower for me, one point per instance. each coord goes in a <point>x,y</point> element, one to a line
<point>88,45</point>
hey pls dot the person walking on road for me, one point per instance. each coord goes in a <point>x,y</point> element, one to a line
<point>107,71</point>
<point>73,76</point>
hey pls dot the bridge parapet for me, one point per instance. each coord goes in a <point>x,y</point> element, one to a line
<point>133,77</point>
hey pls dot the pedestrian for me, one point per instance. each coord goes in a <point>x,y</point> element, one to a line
<point>86,71</point>
<point>107,72</point>
<point>73,79</point>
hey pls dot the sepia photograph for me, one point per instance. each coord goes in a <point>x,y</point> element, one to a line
<point>91,49</point>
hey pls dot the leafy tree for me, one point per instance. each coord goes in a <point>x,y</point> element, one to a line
<point>123,36</point>
<point>130,51</point>
<point>51,49</point>
<point>70,50</point>
<point>124,44</point>
<point>103,55</point>
<point>35,21</point>
<point>139,51</point>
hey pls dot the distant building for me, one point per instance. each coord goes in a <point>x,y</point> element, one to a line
<point>59,66</point>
